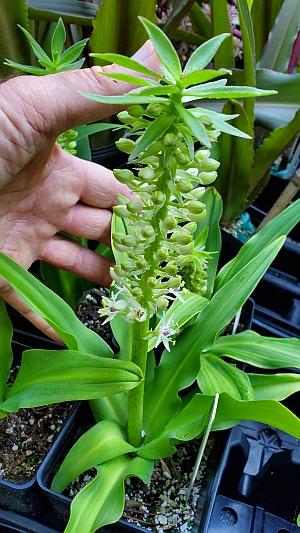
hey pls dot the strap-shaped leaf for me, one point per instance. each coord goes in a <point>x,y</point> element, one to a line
<point>53,309</point>
<point>58,39</point>
<point>217,376</point>
<point>179,367</point>
<point>280,225</point>
<point>254,349</point>
<point>202,76</point>
<point>230,412</point>
<point>101,502</point>
<point>220,22</point>
<point>126,62</point>
<point>232,92</point>
<point>49,376</point>
<point>36,71</point>
<point>274,386</point>
<point>154,131</point>
<point>126,99</point>
<point>88,129</point>
<point>5,349</point>
<point>204,54</point>
<point>180,312</point>
<point>164,48</point>
<point>101,443</point>
<point>71,54</point>
<point>37,49</point>
<point>129,78</point>
<point>186,425</point>
<point>195,125</point>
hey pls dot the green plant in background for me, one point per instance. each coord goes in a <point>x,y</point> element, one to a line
<point>155,239</point>
<point>268,31</point>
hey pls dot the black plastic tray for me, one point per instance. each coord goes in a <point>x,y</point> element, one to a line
<point>256,489</point>
<point>12,523</point>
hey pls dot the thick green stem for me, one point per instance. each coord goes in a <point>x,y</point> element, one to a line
<point>136,396</point>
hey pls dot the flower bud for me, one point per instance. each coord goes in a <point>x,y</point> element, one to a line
<point>207,177</point>
<point>119,271</point>
<point>147,232</point>
<point>123,175</point>
<point>195,207</point>
<point>147,173</point>
<point>121,211</point>
<point>125,145</point>
<point>129,240</point>
<point>136,292</point>
<point>197,193</point>
<point>190,227</point>
<point>154,110</point>
<point>170,139</point>
<point>213,135</point>
<point>171,269</point>
<point>135,110</point>
<point>151,282</point>
<point>202,154</point>
<point>158,198</point>
<point>125,118</point>
<point>162,255</point>
<point>169,223</point>
<point>72,145</point>
<point>182,156</point>
<point>141,262</point>
<point>185,249</point>
<point>184,185</point>
<point>162,303</point>
<point>134,207</point>
<point>181,238</point>
<point>174,283</point>
<point>209,164</point>
<point>128,265</point>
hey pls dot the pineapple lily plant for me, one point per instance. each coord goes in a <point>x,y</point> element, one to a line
<point>168,307</point>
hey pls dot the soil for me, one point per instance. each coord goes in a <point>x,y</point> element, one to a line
<point>164,504</point>
<point>88,313</point>
<point>25,438</point>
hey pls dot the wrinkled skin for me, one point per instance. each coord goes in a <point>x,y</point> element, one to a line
<point>44,190</point>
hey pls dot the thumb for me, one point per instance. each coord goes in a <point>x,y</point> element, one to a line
<point>65,108</point>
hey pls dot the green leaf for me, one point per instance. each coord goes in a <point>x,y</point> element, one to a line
<point>263,352</point>
<point>248,54</point>
<point>200,22</point>
<point>6,357</point>
<point>53,309</point>
<point>157,91</point>
<point>129,78</point>
<point>202,76</point>
<point>220,23</point>
<point>236,160</point>
<point>219,120</point>
<point>231,412</point>
<point>204,54</point>
<point>164,49</point>
<point>101,502</point>
<point>68,286</point>
<point>278,48</point>
<point>181,312</point>
<point>101,443</point>
<point>126,62</point>
<point>117,28</point>
<point>217,376</point>
<point>72,13</point>
<point>231,92</point>
<point>36,71</point>
<point>179,367</point>
<point>270,149</point>
<point>280,225</point>
<point>89,129</point>
<point>274,386</point>
<point>58,40</point>
<point>263,17</point>
<point>179,9</point>
<point>122,332</point>
<point>188,424</point>
<point>154,131</point>
<point>14,45</point>
<point>50,376</point>
<point>194,124</point>
<point>213,203</point>
<point>37,49</point>
<point>72,53</point>
<point>126,99</point>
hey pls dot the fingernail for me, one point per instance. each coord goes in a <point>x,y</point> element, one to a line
<point>145,51</point>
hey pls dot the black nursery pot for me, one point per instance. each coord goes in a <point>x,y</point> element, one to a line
<point>108,156</point>
<point>12,523</point>
<point>25,498</point>
<point>255,489</point>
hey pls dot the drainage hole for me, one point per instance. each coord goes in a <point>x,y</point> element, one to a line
<point>228,517</point>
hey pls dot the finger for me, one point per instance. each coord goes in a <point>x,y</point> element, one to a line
<point>99,186</point>
<point>74,258</point>
<point>8,294</point>
<point>90,223</point>
<point>65,108</point>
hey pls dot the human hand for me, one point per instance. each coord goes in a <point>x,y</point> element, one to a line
<point>44,190</point>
